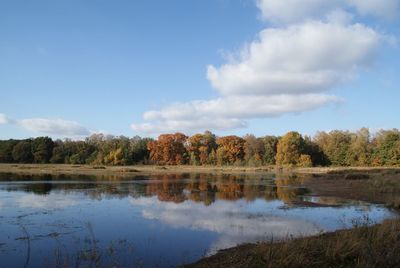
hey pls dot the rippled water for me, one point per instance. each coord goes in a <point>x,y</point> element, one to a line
<point>158,221</point>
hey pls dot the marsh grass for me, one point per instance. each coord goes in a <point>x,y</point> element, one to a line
<point>363,246</point>
<point>88,253</point>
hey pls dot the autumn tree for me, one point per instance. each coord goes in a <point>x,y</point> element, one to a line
<point>116,157</point>
<point>386,151</point>
<point>199,147</point>
<point>230,150</point>
<point>212,157</point>
<point>305,161</point>
<point>194,143</point>
<point>336,146</point>
<point>253,150</point>
<point>291,150</point>
<point>168,149</point>
<point>270,149</point>
<point>116,151</point>
<point>360,148</point>
<point>80,152</point>
<point>317,156</point>
<point>138,150</point>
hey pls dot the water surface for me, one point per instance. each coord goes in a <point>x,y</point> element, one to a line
<point>158,221</point>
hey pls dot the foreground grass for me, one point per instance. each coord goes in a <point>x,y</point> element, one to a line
<point>376,246</point>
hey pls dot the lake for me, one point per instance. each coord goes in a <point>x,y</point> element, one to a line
<point>160,220</point>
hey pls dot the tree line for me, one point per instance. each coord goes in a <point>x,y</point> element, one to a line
<point>334,148</point>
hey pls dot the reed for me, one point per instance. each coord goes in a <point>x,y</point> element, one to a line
<point>363,246</point>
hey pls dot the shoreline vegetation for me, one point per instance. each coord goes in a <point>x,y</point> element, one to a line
<point>335,148</point>
<point>84,169</point>
<point>362,246</point>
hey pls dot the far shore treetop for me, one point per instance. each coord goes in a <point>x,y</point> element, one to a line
<point>335,148</point>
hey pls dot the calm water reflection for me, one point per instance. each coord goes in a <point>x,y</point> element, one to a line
<point>159,220</point>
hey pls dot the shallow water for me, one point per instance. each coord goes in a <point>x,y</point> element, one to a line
<point>158,221</point>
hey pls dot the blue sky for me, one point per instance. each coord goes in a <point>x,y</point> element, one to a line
<point>72,67</point>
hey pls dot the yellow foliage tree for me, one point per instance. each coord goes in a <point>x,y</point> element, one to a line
<point>291,151</point>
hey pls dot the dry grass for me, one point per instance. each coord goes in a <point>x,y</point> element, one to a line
<point>153,169</point>
<point>376,246</point>
<point>377,186</point>
<point>64,169</point>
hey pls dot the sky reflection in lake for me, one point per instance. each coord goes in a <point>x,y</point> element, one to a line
<point>161,220</point>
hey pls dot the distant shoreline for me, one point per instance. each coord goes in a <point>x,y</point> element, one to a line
<point>65,169</point>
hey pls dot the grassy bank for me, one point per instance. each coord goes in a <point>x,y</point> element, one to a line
<point>65,169</point>
<point>154,169</point>
<point>376,246</point>
<point>375,187</point>
<point>362,246</point>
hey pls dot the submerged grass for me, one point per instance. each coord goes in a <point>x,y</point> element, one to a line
<point>366,246</point>
<point>378,187</point>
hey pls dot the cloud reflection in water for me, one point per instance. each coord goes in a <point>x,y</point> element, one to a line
<point>235,222</point>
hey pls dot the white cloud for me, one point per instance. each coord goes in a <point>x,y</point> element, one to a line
<point>286,69</point>
<point>4,119</point>
<point>247,106</point>
<point>309,57</point>
<point>228,112</point>
<point>58,127</point>
<point>291,11</point>
<point>294,11</point>
<point>189,125</point>
<point>382,8</point>
<point>54,126</point>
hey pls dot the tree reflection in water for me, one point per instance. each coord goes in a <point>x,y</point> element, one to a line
<point>204,188</point>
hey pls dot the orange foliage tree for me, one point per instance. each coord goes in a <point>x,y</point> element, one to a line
<point>169,149</point>
<point>199,146</point>
<point>230,150</point>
